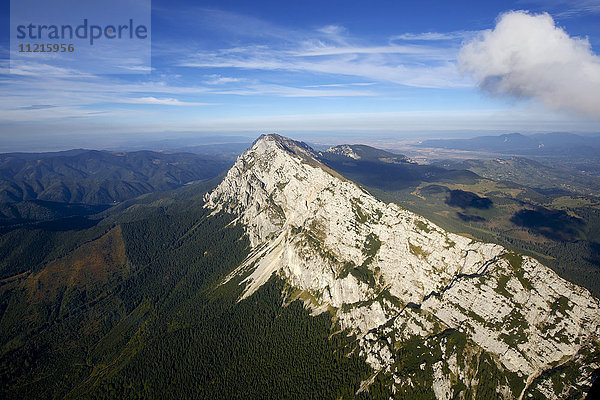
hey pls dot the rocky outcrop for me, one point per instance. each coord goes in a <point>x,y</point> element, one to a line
<point>344,150</point>
<point>389,275</point>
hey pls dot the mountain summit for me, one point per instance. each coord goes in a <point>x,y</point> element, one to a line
<point>428,308</point>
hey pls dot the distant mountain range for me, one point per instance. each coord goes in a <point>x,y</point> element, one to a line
<point>100,177</point>
<point>384,170</point>
<point>550,144</point>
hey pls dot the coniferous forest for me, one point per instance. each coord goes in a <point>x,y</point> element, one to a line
<point>136,310</point>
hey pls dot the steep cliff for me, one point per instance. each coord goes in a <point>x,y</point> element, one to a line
<point>405,287</point>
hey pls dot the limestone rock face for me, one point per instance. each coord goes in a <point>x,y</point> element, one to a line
<point>344,150</point>
<point>389,275</point>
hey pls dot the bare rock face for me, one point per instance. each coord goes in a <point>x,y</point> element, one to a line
<point>344,150</point>
<point>390,276</point>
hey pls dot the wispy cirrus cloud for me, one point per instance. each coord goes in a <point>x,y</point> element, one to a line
<point>286,91</point>
<point>77,96</point>
<point>441,75</point>
<point>36,107</point>
<point>568,8</point>
<point>216,79</point>
<point>406,66</point>
<point>82,95</point>
<point>342,84</point>
<point>332,50</point>
<point>37,69</point>
<point>433,36</point>
<point>164,101</point>
<point>323,58</point>
<point>424,52</point>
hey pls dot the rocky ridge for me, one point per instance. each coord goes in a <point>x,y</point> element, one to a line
<point>343,150</point>
<point>364,153</point>
<point>390,276</point>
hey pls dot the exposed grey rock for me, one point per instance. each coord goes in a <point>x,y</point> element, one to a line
<point>380,268</point>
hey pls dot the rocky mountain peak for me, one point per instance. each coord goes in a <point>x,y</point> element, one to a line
<point>295,148</point>
<point>388,275</point>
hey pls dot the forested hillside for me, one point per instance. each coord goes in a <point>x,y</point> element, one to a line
<point>100,177</point>
<point>134,310</point>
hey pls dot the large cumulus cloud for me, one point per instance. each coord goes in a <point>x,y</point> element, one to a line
<point>529,56</point>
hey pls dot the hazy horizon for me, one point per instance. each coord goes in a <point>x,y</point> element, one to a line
<point>334,71</point>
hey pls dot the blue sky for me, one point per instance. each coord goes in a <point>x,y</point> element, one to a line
<point>322,69</point>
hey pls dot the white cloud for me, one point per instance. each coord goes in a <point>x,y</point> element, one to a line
<point>335,33</point>
<point>168,101</point>
<point>341,84</point>
<point>333,30</point>
<point>286,91</point>
<point>221,80</point>
<point>426,52</point>
<point>330,49</point>
<point>432,36</point>
<point>22,68</point>
<point>410,65</point>
<point>139,68</point>
<point>528,56</point>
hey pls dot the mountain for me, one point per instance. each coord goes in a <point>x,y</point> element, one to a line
<point>100,177</point>
<point>433,312</point>
<point>364,153</point>
<point>543,215</point>
<point>502,143</point>
<point>384,170</point>
<point>281,279</point>
<point>545,144</point>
